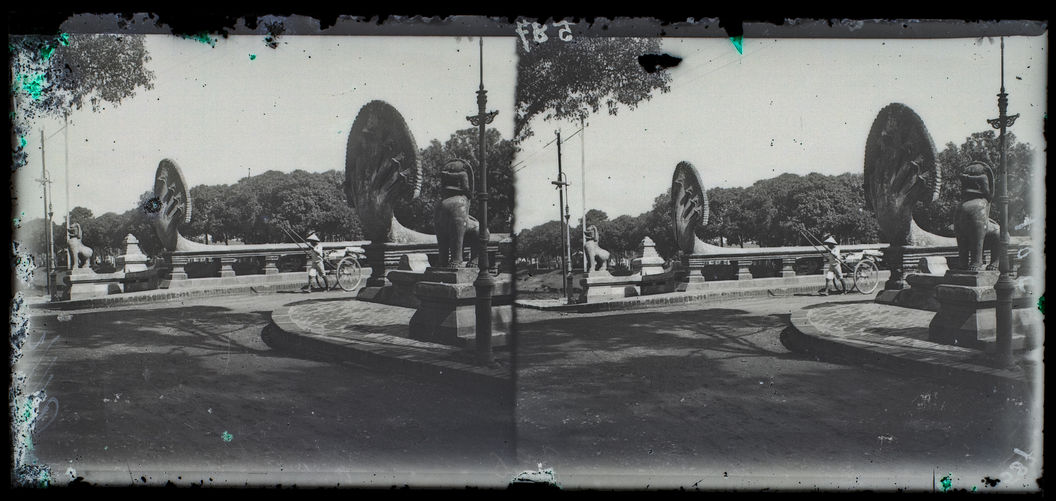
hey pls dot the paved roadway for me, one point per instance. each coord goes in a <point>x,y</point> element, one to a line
<point>706,395</point>
<point>188,391</point>
<point>696,395</point>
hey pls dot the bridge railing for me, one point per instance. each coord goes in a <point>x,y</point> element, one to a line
<point>763,262</point>
<point>237,260</point>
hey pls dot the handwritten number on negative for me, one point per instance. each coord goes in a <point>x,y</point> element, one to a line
<point>538,34</point>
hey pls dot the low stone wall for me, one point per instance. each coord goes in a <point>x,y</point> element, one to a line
<point>746,263</point>
<point>230,261</point>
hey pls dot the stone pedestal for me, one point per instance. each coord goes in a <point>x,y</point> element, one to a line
<point>135,281</point>
<point>179,271</point>
<point>918,289</point>
<point>689,278</point>
<point>788,267</point>
<point>227,267</point>
<point>399,283</point>
<point>920,293</point>
<point>271,264</point>
<point>602,286</point>
<point>743,270</point>
<point>447,310</point>
<point>84,283</point>
<point>967,312</point>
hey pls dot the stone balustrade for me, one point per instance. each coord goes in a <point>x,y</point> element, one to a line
<point>239,264</point>
<point>744,259</point>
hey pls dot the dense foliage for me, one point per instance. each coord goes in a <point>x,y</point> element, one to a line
<point>570,80</point>
<point>253,209</point>
<point>937,217</point>
<point>764,214</point>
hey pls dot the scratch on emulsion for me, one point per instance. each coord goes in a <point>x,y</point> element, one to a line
<point>26,408</point>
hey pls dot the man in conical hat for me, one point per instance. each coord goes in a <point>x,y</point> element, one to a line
<point>316,257</point>
<point>833,265</point>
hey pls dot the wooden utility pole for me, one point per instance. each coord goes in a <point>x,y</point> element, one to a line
<point>583,187</point>
<point>49,241</point>
<point>562,209</point>
<point>66,153</point>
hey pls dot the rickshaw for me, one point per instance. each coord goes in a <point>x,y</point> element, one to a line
<point>342,264</point>
<point>862,266</point>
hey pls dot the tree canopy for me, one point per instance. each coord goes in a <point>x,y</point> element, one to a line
<point>463,144</point>
<point>53,75</point>
<point>251,209</point>
<point>570,80</point>
<point>937,217</point>
<point>765,214</point>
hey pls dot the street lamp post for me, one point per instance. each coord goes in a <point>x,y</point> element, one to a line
<point>49,240</point>
<point>1003,288</point>
<point>485,283</point>
<point>563,217</point>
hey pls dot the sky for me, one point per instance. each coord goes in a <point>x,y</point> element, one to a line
<point>784,105</point>
<point>220,114</point>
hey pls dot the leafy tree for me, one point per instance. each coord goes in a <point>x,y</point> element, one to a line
<point>140,222</point>
<point>53,75</point>
<point>311,202</point>
<point>659,225</point>
<point>726,216</point>
<point>463,144</point>
<point>937,217</point>
<point>107,233</point>
<point>621,236</point>
<point>95,69</point>
<point>207,203</point>
<point>570,80</point>
<point>30,235</point>
<point>541,242</point>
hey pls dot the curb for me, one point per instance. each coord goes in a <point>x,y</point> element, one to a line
<point>803,337</point>
<point>160,295</point>
<point>672,298</point>
<point>414,358</point>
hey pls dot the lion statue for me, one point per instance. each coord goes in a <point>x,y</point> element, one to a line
<point>80,254</point>
<point>971,221</point>
<point>451,220</point>
<point>597,258</point>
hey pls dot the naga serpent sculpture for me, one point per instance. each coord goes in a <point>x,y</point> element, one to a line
<point>382,169</point>
<point>900,170</point>
<point>171,207</point>
<point>689,208</point>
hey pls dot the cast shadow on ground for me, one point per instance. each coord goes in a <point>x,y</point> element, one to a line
<point>651,381</point>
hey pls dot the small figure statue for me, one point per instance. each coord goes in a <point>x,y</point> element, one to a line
<point>80,254</point>
<point>971,223</point>
<point>452,221</point>
<point>597,257</point>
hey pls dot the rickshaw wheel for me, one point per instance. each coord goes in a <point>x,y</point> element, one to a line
<point>349,274</point>
<point>866,276</point>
